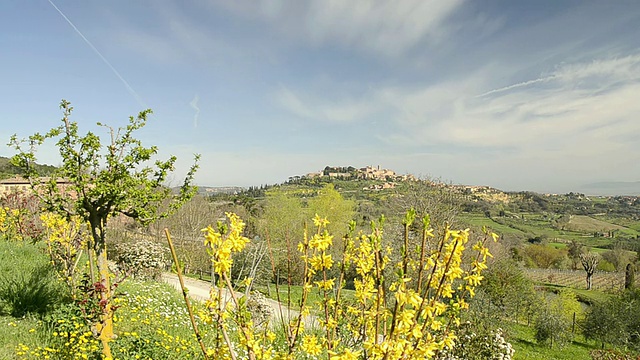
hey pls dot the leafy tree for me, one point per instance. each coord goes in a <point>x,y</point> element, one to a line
<point>543,256</point>
<point>508,288</point>
<point>618,256</point>
<point>281,223</point>
<point>554,323</point>
<point>575,249</point>
<point>330,204</point>
<point>105,181</point>
<point>615,321</point>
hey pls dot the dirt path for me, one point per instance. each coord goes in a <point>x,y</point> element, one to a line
<point>199,290</point>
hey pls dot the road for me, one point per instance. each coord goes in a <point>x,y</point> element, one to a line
<point>199,291</point>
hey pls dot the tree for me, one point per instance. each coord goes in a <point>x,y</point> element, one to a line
<point>629,276</point>
<point>330,204</point>
<point>618,256</point>
<point>615,321</point>
<point>105,181</point>
<point>281,223</point>
<point>555,321</point>
<point>589,263</point>
<point>427,197</point>
<point>575,249</point>
<point>508,289</point>
<point>543,256</point>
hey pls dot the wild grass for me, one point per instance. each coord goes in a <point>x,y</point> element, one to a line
<point>523,340</point>
<point>294,294</point>
<point>28,283</point>
<point>28,289</point>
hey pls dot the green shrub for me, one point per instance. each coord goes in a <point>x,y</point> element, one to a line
<point>615,321</point>
<point>604,265</point>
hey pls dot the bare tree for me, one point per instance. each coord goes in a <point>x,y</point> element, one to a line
<point>589,262</point>
<point>428,196</point>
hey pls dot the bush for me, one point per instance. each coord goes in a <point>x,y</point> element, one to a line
<point>615,321</point>
<point>141,258</point>
<point>605,265</point>
<point>475,344</point>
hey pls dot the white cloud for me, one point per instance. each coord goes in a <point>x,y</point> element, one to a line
<point>581,115</point>
<point>322,109</point>
<point>388,28</point>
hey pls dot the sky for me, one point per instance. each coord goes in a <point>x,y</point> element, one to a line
<point>518,95</point>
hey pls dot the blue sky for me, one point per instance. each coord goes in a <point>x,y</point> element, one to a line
<point>538,95</point>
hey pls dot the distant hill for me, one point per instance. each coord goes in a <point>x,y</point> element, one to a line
<point>215,190</point>
<point>8,170</point>
<point>612,188</point>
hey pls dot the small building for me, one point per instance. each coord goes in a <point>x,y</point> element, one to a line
<point>21,185</point>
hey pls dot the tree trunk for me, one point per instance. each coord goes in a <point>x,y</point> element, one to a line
<point>589,275</point>
<point>105,327</point>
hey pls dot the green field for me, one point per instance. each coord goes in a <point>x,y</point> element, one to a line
<point>579,228</point>
<point>523,341</point>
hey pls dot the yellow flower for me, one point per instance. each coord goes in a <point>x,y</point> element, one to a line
<point>310,345</point>
<point>347,355</point>
<point>320,222</point>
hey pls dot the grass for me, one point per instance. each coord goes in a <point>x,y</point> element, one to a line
<point>14,331</point>
<point>584,296</point>
<point>28,290</point>
<point>587,224</point>
<point>295,294</point>
<point>479,220</point>
<point>523,340</point>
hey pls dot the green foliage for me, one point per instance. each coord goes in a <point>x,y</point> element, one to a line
<point>334,207</point>
<point>106,179</point>
<point>555,322</point>
<point>615,321</point>
<point>509,289</point>
<point>70,336</point>
<point>545,257</point>
<point>32,292</point>
<point>522,338</point>
<point>604,265</point>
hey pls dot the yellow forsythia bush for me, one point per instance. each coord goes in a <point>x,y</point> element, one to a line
<point>404,310</point>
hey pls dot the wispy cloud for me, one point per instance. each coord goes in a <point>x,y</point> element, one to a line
<point>580,115</point>
<point>388,28</point>
<point>578,110</point>
<point>323,109</point>
<point>194,105</point>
